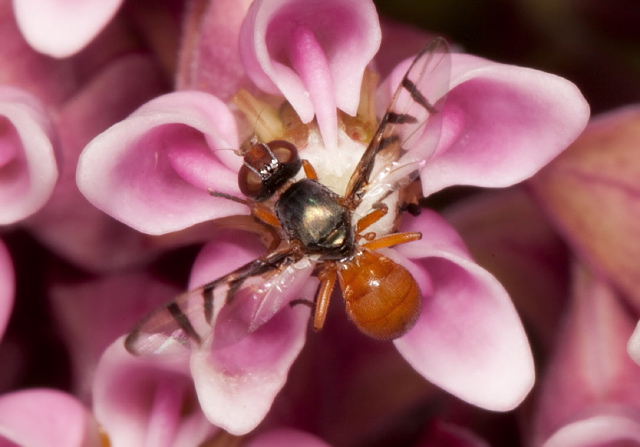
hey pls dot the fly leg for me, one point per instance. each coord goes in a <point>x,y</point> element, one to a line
<point>373,243</point>
<point>327,278</point>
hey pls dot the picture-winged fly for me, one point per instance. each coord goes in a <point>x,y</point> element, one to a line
<point>311,222</point>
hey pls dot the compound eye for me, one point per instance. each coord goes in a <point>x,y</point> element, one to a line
<point>284,151</point>
<point>267,167</point>
<point>249,182</point>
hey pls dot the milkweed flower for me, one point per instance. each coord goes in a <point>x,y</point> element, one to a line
<point>298,75</point>
<point>590,194</point>
<point>589,392</point>
<point>590,191</point>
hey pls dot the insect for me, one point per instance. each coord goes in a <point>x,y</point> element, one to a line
<point>311,222</point>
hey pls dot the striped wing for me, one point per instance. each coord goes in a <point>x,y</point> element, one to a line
<point>409,130</point>
<point>172,328</point>
<point>249,295</point>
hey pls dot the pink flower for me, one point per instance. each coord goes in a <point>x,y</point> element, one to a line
<point>153,171</point>
<point>590,394</point>
<point>59,28</point>
<point>591,195</point>
<point>587,391</point>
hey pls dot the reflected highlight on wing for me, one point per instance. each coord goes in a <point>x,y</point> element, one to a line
<point>187,320</point>
<point>409,130</point>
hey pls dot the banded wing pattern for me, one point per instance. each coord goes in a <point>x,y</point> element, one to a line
<point>409,130</point>
<point>187,320</point>
<point>172,328</point>
<point>406,136</point>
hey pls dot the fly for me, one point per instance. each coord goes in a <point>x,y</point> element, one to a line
<point>310,222</point>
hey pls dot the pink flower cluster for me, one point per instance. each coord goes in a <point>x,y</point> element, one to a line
<point>118,121</point>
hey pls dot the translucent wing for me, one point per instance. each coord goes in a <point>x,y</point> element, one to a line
<point>251,293</point>
<point>172,328</point>
<point>409,130</point>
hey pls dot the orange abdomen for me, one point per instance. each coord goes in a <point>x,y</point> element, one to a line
<point>382,298</point>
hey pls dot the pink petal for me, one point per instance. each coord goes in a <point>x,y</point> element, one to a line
<point>60,28</point>
<point>7,287</point>
<point>501,124</point>
<point>240,369</point>
<point>237,384</point>
<point>28,170</point>
<point>312,53</point>
<point>147,402</point>
<point>469,339</point>
<point>599,430</point>
<point>591,193</point>
<point>285,437</point>
<point>153,170</point>
<point>43,418</point>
